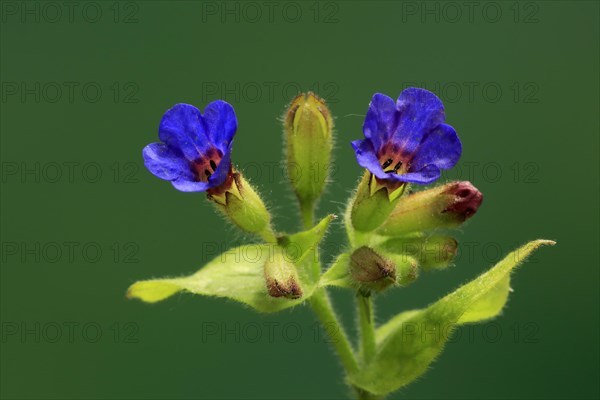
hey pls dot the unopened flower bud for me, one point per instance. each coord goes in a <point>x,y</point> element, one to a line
<point>308,131</point>
<point>407,267</point>
<point>245,208</point>
<point>445,206</point>
<point>281,277</point>
<point>432,252</point>
<point>370,270</point>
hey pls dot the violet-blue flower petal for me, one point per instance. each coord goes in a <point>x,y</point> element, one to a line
<point>191,145</point>
<point>426,175</point>
<point>420,111</point>
<point>185,185</point>
<point>411,134</point>
<point>220,174</point>
<point>366,158</point>
<point>165,162</point>
<point>221,123</point>
<point>182,127</point>
<point>441,147</point>
<point>381,120</point>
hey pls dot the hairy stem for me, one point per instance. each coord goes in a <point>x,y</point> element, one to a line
<point>268,235</point>
<point>322,307</point>
<point>307,210</point>
<point>321,304</point>
<point>367,326</point>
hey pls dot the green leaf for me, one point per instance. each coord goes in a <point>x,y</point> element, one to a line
<point>408,343</point>
<point>489,304</point>
<point>393,324</point>
<point>238,274</point>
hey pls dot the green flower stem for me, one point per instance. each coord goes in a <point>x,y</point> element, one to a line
<point>322,307</point>
<point>307,209</point>
<point>321,304</point>
<point>367,337</point>
<point>268,235</point>
<point>367,326</point>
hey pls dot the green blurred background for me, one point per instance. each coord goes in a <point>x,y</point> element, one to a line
<point>84,86</point>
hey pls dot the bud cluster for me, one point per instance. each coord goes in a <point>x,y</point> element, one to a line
<point>399,231</point>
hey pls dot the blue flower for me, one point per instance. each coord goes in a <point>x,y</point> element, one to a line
<point>407,140</point>
<point>195,149</point>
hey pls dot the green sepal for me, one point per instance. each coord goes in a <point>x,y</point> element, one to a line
<point>245,208</point>
<point>338,274</point>
<point>372,204</point>
<point>405,344</point>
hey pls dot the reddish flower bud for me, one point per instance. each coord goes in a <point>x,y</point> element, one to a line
<point>446,206</point>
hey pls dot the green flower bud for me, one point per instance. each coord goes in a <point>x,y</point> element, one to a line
<point>281,277</point>
<point>245,208</point>
<point>370,271</point>
<point>446,206</point>
<point>373,203</point>
<point>407,267</point>
<point>433,252</point>
<point>308,131</point>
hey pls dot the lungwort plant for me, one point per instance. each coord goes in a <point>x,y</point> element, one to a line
<point>393,233</point>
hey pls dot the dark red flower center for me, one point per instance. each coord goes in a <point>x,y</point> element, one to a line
<point>392,159</point>
<point>205,166</point>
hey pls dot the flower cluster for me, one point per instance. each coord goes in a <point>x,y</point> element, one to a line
<point>394,234</point>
